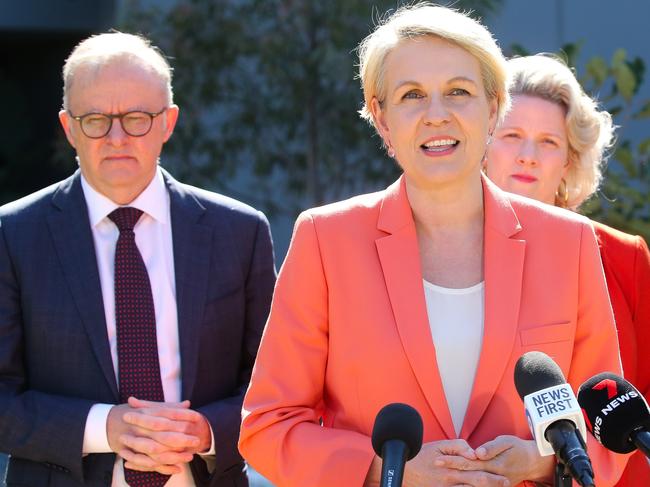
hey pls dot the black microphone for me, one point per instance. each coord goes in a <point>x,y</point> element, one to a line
<point>616,412</point>
<point>396,438</point>
<point>553,414</point>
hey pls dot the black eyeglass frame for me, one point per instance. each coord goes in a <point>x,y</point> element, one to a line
<point>120,117</point>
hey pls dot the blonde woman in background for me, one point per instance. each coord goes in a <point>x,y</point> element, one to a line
<point>428,292</point>
<point>550,148</point>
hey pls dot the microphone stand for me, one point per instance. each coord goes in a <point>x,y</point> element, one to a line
<point>562,476</point>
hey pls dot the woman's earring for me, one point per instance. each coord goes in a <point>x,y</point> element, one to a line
<point>391,152</point>
<point>489,138</point>
<point>562,194</point>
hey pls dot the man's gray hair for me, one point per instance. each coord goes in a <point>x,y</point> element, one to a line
<point>101,50</point>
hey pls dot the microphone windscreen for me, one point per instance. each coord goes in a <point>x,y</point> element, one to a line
<point>398,421</point>
<point>613,408</point>
<point>535,371</point>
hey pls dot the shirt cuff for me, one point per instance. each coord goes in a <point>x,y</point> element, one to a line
<point>95,436</point>
<point>211,450</point>
<point>208,456</point>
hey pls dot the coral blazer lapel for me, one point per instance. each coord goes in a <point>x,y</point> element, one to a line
<point>400,262</point>
<point>503,272</point>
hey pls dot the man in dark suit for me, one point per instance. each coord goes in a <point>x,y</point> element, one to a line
<point>131,305</point>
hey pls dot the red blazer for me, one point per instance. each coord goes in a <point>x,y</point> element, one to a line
<point>626,262</point>
<point>348,333</point>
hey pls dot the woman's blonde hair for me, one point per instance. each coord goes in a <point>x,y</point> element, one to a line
<point>589,130</point>
<point>425,19</point>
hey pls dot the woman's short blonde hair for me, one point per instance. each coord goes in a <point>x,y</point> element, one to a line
<point>103,49</point>
<point>589,130</point>
<point>425,19</point>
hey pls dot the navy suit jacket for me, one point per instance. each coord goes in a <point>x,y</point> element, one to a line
<point>55,361</point>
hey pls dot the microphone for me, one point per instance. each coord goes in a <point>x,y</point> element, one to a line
<point>396,438</point>
<point>617,414</point>
<point>553,414</point>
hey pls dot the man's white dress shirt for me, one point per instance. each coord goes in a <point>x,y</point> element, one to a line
<point>153,236</point>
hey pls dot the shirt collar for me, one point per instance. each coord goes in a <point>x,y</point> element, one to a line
<point>154,201</point>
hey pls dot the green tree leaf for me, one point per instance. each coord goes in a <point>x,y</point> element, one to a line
<point>597,68</point>
<point>619,57</point>
<point>519,50</point>
<point>623,154</point>
<point>625,81</point>
<point>569,52</point>
<point>644,147</point>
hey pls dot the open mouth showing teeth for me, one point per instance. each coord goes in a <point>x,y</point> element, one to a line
<point>440,145</point>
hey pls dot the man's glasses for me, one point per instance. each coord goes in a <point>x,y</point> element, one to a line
<point>98,125</point>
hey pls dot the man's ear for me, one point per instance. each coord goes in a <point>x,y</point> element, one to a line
<point>171,117</point>
<point>66,123</point>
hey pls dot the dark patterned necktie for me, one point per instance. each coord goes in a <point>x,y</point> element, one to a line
<point>135,319</point>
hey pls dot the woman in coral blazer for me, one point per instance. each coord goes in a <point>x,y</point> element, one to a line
<point>550,147</point>
<point>626,261</point>
<point>349,330</point>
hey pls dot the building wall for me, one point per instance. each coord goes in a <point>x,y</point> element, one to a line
<point>49,16</point>
<point>600,27</point>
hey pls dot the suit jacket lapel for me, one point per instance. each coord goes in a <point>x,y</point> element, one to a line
<point>504,265</point>
<point>193,247</point>
<point>73,240</point>
<point>400,261</point>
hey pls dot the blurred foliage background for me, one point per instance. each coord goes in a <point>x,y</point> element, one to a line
<point>269,105</point>
<point>623,200</point>
<point>269,100</point>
